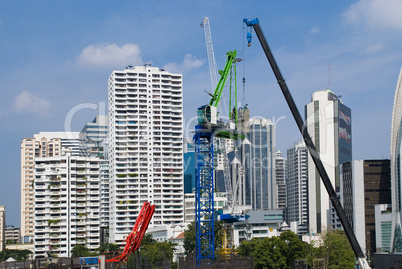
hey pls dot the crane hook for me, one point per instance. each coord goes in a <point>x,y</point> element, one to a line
<point>249,39</point>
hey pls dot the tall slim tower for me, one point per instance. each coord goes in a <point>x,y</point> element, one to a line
<point>44,144</point>
<point>2,228</point>
<point>329,124</point>
<point>396,164</point>
<point>145,147</point>
<point>296,182</point>
<point>280,171</point>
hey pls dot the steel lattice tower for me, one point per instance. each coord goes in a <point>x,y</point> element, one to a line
<point>204,196</point>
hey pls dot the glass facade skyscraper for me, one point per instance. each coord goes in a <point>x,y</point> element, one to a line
<point>257,155</point>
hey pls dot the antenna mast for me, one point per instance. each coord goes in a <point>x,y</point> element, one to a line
<point>329,76</point>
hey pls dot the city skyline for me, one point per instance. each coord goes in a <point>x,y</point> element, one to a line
<point>51,54</point>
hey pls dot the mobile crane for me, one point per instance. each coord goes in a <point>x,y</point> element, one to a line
<point>309,143</point>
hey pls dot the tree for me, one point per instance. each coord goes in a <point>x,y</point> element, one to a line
<point>80,251</point>
<point>275,252</point>
<point>154,252</point>
<point>108,248</point>
<point>189,237</point>
<point>19,255</point>
<point>335,250</point>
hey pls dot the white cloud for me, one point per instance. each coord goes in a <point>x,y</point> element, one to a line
<point>27,102</point>
<point>102,55</point>
<point>314,30</point>
<point>375,48</point>
<point>375,14</point>
<point>189,62</point>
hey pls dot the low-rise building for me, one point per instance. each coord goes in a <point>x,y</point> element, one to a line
<point>220,202</point>
<point>173,233</point>
<point>12,234</point>
<point>260,224</point>
<point>383,227</point>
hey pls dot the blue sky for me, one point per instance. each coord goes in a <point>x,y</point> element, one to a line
<point>56,55</point>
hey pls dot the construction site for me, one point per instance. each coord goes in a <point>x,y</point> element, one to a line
<point>217,134</point>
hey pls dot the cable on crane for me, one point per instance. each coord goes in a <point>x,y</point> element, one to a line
<point>243,98</point>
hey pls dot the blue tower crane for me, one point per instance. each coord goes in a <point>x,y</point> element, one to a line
<point>206,130</point>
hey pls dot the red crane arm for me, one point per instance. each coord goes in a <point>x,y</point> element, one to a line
<point>134,239</point>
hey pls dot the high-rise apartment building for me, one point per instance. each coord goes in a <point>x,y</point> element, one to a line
<point>329,124</point>
<point>145,147</point>
<point>296,183</point>
<point>2,228</point>
<point>364,184</point>
<point>280,171</point>
<point>66,205</point>
<point>256,159</point>
<point>44,144</point>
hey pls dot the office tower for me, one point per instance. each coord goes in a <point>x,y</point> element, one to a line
<point>145,147</point>
<point>329,124</point>
<point>66,204</point>
<point>280,171</point>
<point>44,144</point>
<point>296,182</point>
<point>396,177</point>
<point>255,156</point>
<point>2,228</point>
<point>189,165</point>
<point>92,134</point>
<point>364,184</point>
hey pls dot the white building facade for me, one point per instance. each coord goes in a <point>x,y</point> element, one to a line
<point>66,205</point>
<point>145,147</point>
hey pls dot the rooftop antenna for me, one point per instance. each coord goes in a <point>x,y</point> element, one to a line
<point>329,76</point>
